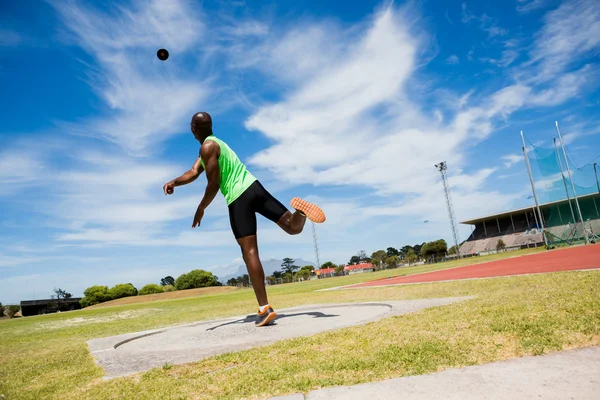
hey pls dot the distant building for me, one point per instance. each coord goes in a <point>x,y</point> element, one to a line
<point>324,272</point>
<point>359,268</point>
<point>48,306</point>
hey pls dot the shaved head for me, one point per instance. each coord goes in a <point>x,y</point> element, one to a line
<point>201,125</point>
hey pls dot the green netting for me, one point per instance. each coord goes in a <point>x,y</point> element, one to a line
<point>562,221</point>
<point>552,185</point>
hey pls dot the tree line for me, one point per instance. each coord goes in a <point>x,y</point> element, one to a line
<point>288,273</point>
<point>196,278</point>
<point>433,251</point>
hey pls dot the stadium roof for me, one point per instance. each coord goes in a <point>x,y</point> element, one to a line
<point>520,210</point>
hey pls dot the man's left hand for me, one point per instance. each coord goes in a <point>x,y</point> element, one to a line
<point>198,217</point>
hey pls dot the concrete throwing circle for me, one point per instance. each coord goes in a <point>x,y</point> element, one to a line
<point>301,322</point>
<point>126,354</point>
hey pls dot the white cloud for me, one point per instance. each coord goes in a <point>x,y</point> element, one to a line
<point>19,169</point>
<point>525,6</point>
<point>13,261</point>
<point>512,159</point>
<point>565,87</point>
<point>149,100</point>
<point>315,125</point>
<point>486,23</point>
<point>453,60</point>
<point>570,32</point>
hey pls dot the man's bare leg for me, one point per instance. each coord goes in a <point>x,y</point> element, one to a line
<point>249,246</point>
<point>292,223</point>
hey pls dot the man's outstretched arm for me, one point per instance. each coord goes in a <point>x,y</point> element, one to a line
<point>210,153</point>
<point>188,177</point>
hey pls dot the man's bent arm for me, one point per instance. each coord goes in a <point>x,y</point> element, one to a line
<point>189,176</point>
<point>210,154</point>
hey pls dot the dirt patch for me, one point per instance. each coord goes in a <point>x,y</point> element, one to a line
<point>178,294</point>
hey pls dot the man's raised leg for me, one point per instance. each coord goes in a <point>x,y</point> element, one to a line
<point>292,223</point>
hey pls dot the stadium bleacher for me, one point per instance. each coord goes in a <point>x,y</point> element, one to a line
<point>519,228</point>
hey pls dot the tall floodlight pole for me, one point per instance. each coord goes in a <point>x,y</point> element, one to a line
<point>314,232</point>
<point>537,204</point>
<point>562,175</point>
<point>442,167</point>
<point>562,143</point>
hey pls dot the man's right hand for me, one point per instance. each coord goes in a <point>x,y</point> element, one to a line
<point>169,187</point>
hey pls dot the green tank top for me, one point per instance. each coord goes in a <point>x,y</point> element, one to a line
<point>235,178</point>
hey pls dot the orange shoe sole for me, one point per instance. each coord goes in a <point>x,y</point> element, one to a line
<point>312,211</point>
<point>271,317</point>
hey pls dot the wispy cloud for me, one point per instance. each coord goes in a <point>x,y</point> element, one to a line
<point>312,124</point>
<point>452,60</point>
<point>148,100</point>
<point>570,33</point>
<point>525,6</point>
<point>486,23</point>
<point>511,159</point>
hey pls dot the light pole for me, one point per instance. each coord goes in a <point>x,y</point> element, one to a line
<point>427,223</point>
<point>537,225</point>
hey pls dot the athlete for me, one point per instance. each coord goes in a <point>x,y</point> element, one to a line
<point>245,197</point>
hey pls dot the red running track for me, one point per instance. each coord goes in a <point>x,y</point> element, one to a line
<point>574,258</point>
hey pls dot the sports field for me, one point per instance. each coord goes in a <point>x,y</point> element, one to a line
<point>47,356</point>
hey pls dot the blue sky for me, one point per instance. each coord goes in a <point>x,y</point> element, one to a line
<point>349,107</point>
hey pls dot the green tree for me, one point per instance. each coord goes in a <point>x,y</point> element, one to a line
<point>392,261</point>
<point>62,294</point>
<point>452,250</point>
<point>94,295</point>
<point>277,274</point>
<point>328,264</point>
<point>122,290</point>
<point>151,288</point>
<point>169,288</point>
<point>339,270</point>
<point>288,265</point>
<point>305,272</point>
<point>378,257</point>
<point>167,280</point>
<point>392,252</point>
<point>195,279</point>
<point>404,251</point>
<point>501,245</point>
<point>288,277</point>
<point>12,310</point>
<point>417,249</point>
<point>434,250</point>
<point>271,280</point>
<point>354,260</point>
<point>244,279</point>
<point>1,310</point>
<point>411,257</point>
<point>232,282</point>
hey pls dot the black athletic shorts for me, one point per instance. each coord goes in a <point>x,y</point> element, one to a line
<point>256,199</point>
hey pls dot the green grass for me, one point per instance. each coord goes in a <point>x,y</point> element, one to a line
<point>47,357</point>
